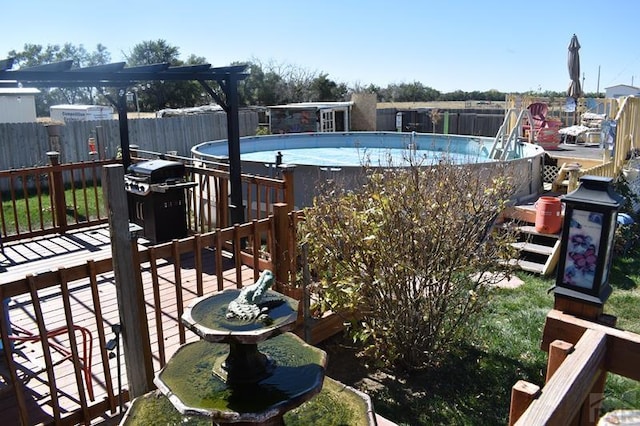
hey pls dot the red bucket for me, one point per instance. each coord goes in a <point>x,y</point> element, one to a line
<point>548,215</point>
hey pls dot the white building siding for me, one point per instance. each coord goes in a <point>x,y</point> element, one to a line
<point>17,105</point>
<point>621,90</point>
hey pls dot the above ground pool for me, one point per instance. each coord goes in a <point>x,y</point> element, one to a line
<point>354,149</point>
<point>323,155</point>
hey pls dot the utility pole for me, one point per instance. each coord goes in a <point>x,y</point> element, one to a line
<point>598,86</point>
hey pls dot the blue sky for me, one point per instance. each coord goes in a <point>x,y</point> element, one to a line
<point>447,45</point>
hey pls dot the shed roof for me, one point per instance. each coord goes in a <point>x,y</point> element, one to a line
<point>623,85</point>
<point>317,105</point>
<point>18,91</point>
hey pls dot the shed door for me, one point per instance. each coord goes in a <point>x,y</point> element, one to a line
<point>327,120</point>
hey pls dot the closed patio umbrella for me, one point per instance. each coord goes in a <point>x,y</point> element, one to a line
<point>575,91</point>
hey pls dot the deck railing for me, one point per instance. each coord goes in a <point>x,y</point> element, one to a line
<point>581,353</point>
<point>558,107</point>
<point>624,111</point>
<point>51,199</point>
<point>627,141</point>
<point>208,201</point>
<point>83,297</point>
<point>60,197</point>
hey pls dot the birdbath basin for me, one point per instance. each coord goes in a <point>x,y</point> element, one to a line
<point>207,317</point>
<point>244,369</point>
<point>187,380</point>
<point>336,404</point>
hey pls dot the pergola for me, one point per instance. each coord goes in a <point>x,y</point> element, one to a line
<point>116,75</point>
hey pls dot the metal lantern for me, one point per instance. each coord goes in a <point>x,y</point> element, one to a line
<point>587,241</point>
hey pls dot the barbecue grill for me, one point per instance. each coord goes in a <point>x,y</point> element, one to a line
<point>157,200</point>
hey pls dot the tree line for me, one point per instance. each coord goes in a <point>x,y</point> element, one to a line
<point>268,83</point>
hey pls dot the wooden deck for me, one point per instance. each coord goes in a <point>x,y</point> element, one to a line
<point>51,253</point>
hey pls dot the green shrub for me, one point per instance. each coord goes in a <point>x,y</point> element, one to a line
<point>410,254</point>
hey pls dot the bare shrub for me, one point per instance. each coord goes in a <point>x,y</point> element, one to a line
<point>410,253</point>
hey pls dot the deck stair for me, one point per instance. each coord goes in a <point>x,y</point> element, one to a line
<point>562,182</point>
<point>536,252</point>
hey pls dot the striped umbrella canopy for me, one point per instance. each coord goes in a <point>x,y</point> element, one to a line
<point>575,91</point>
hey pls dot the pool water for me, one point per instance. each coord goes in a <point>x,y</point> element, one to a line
<point>353,157</point>
<point>356,149</point>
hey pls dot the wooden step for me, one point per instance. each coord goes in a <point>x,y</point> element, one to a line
<point>526,265</point>
<point>528,229</point>
<point>524,213</point>
<point>533,248</point>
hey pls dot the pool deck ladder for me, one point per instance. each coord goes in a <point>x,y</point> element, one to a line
<point>505,144</point>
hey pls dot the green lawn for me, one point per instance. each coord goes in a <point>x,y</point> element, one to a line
<point>40,214</point>
<point>474,385</point>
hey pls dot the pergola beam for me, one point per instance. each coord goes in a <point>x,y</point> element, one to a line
<point>116,75</point>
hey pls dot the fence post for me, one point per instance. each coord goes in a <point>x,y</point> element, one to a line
<point>133,151</point>
<point>126,268</point>
<point>281,235</point>
<point>222,203</point>
<point>53,132</point>
<point>559,350</point>
<point>59,209</point>
<point>287,177</point>
<point>573,179</point>
<point>522,394</point>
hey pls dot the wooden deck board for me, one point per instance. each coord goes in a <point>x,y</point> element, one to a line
<point>46,255</point>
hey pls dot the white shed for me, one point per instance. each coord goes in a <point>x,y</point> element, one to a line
<point>310,117</point>
<point>620,90</point>
<point>67,113</point>
<point>18,105</point>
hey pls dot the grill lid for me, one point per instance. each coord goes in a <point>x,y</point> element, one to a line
<point>157,171</point>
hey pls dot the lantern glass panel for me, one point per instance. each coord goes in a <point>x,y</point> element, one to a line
<point>585,232</point>
<point>610,236</point>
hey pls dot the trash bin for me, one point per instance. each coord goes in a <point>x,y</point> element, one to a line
<point>157,199</point>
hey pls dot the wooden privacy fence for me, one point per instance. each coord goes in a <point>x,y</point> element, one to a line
<point>25,144</point>
<point>476,122</point>
<point>581,352</point>
<point>74,386</point>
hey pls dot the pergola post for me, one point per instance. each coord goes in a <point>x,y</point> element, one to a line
<point>233,135</point>
<point>123,122</point>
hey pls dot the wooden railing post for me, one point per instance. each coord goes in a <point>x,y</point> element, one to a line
<point>59,209</point>
<point>129,292</point>
<point>522,395</point>
<point>222,203</point>
<point>558,351</point>
<point>574,174</point>
<point>287,176</point>
<point>281,243</point>
<point>561,399</point>
<point>133,152</point>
